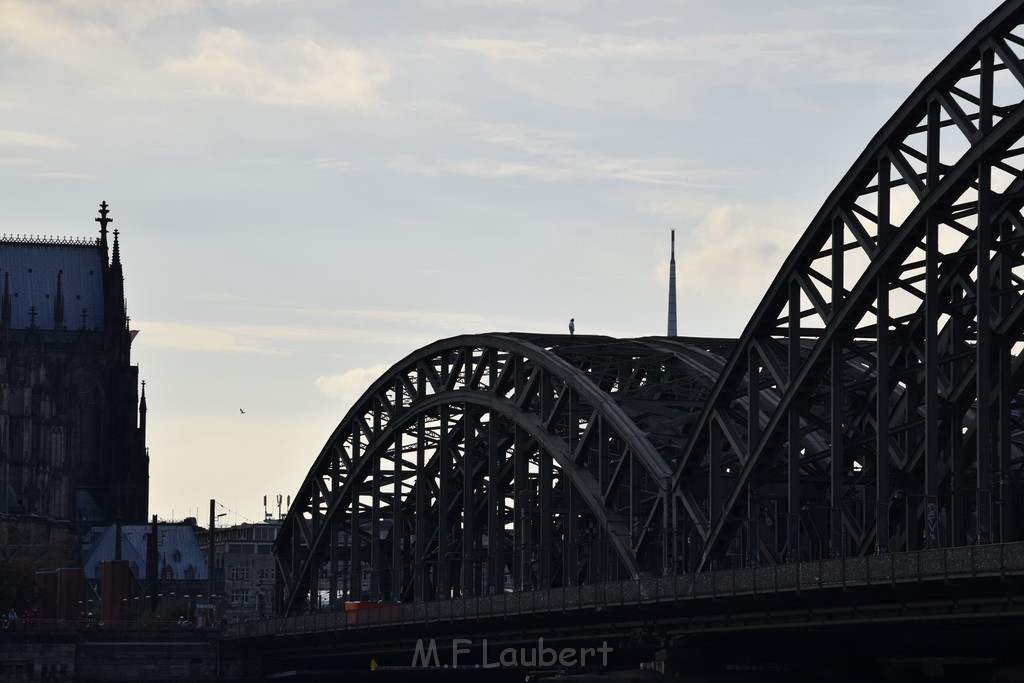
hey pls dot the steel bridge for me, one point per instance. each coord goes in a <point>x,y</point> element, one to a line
<point>872,405</point>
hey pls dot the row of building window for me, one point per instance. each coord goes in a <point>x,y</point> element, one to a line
<point>249,549</point>
<point>249,533</point>
<point>241,573</point>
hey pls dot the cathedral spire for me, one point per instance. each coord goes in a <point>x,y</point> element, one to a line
<point>672,289</point>
<point>142,412</point>
<point>104,221</point>
<point>115,307</point>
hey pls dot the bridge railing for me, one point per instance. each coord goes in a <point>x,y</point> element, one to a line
<point>944,564</point>
<point>39,624</point>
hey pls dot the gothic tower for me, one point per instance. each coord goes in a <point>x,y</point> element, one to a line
<point>72,425</point>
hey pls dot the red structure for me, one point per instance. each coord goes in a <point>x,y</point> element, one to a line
<point>61,594</point>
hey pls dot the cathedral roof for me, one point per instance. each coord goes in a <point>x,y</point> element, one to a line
<point>39,269</point>
<point>179,555</point>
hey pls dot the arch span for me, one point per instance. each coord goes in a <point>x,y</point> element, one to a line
<point>503,460</point>
<point>911,270</point>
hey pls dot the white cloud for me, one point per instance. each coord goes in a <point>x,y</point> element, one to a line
<point>234,338</point>
<point>331,165</point>
<point>580,69</point>
<point>350,385</point>
<point>297,329</point>
<point>735,253</point>
<point>17,138</point>
<point>291,72</point>
<point>582,47</point>
<point>641,171</point>
<point>808,55</point>
<point>35,28</point>
<point>68,175</point>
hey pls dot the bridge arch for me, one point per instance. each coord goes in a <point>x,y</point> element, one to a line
<point>554,446</point>
<point>912,270</point>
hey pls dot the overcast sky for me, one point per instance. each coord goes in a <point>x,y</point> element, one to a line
<point>307,191</point>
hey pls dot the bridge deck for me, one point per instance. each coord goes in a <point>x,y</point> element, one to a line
<point>922,575</point>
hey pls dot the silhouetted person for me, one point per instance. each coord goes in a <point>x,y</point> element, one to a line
<point>572,326</point>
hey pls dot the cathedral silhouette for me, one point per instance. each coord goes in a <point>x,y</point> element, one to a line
<point>72,420</point>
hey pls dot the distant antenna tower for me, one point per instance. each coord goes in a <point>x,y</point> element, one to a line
<point>672,289</point>
<point>279,506</point>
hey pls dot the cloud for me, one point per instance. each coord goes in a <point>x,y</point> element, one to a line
<point>67,175</point>
<point>391,318</point>
<point>86,31</point>
<point>331,165</point>
<point>350,385</point>
<point>641,171</point>
<point>547,156</point>
<point>736,251</point>
<point>35,28</point>
<point>299,329</point>
<point>291,72</point>
<point>809,55</point>
<point>605,71</point>
<point>15,138</point>
<point>234,338</point>
<point>584,47</point>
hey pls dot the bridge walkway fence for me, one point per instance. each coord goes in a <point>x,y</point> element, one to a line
<point>940,566</point>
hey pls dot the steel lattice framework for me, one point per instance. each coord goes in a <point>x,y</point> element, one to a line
<point>873,403</point>
<point>552,446</point>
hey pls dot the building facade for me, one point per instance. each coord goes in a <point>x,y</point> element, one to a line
<point>243,569</point>
<point>72,420</point>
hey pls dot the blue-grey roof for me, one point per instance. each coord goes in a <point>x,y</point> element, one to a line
<point>33,268</point>
<point>176,548</point>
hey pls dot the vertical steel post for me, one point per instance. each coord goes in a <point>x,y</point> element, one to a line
<point>793,483</point>
<point>838,417</point>
<point>882,390</point>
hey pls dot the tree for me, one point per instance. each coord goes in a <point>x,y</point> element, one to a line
<point>26,548</point>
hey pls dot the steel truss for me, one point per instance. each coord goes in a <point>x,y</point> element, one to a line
<point>553,446</point>
<point>911,273</point>
<point>873,403</point>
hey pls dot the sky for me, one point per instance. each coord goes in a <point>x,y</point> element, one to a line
<point>307,191</point>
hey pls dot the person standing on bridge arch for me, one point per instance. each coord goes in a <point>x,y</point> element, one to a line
<point>572,326</point>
